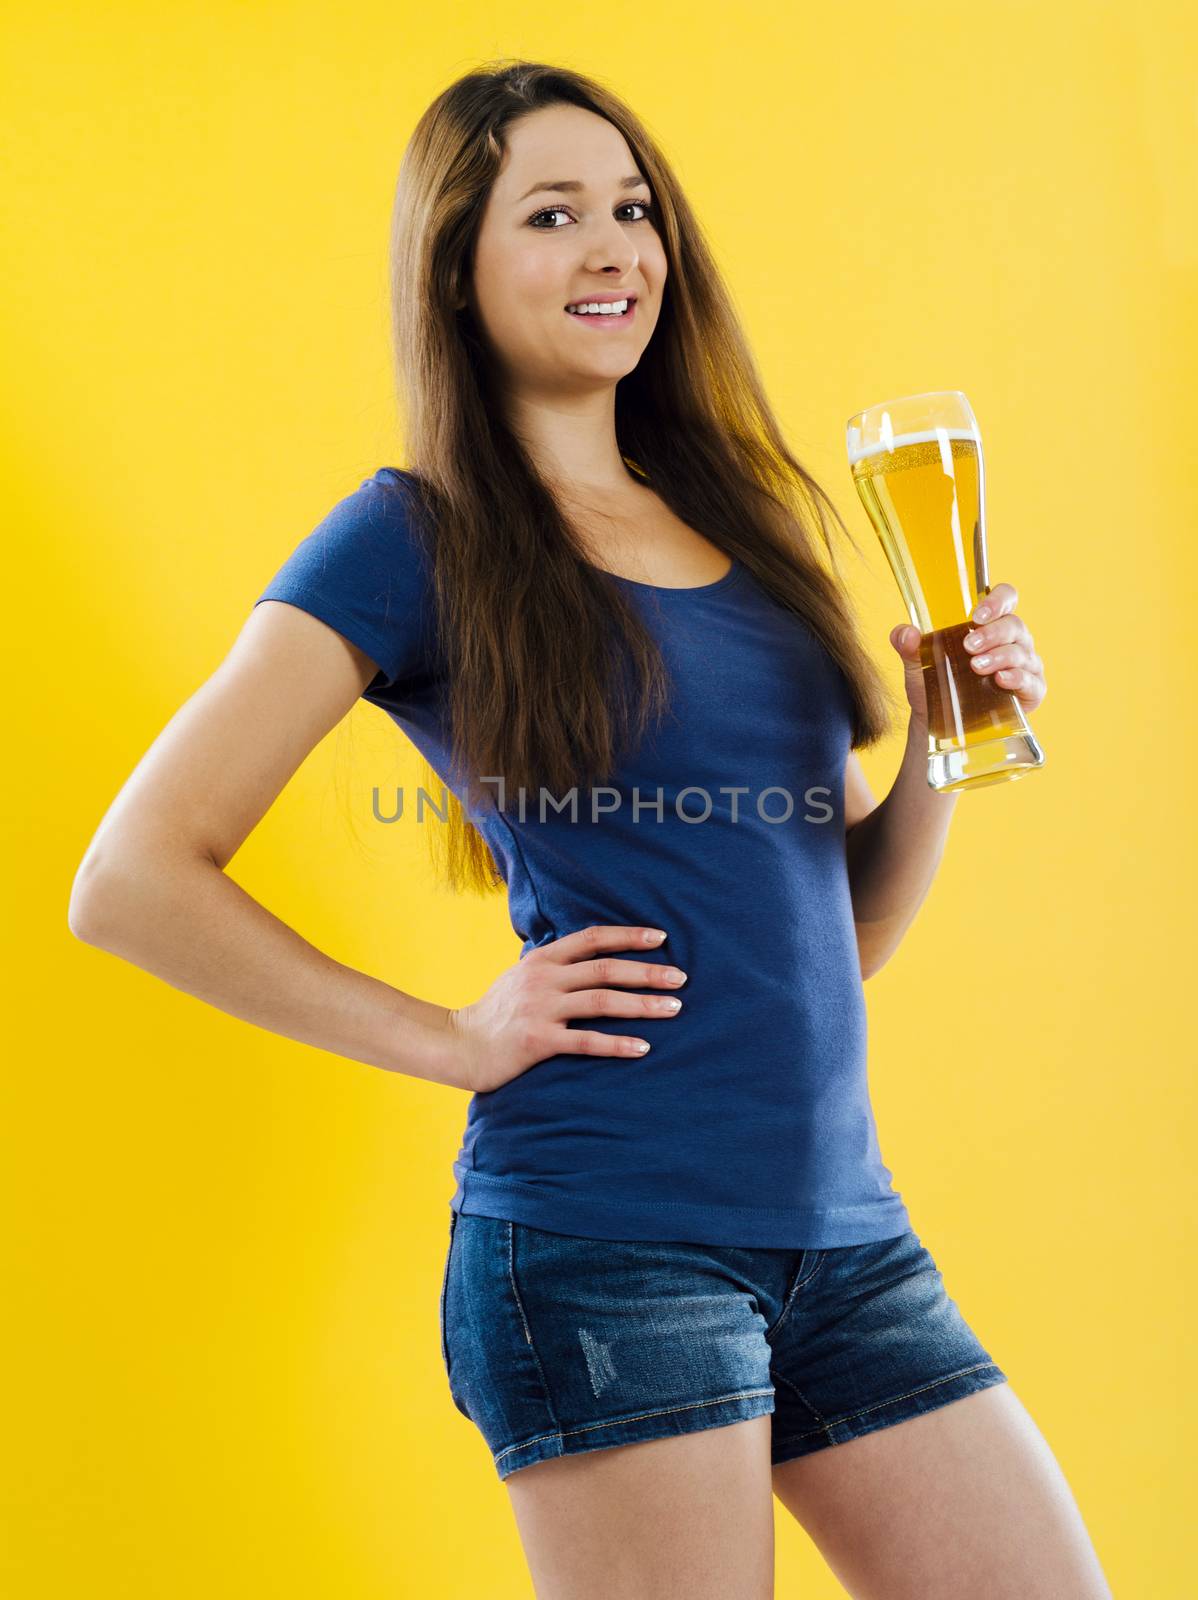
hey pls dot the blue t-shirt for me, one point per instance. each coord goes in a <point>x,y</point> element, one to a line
<point>749,1121</point>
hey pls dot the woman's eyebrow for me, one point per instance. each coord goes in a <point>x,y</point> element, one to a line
<point>573,185</point>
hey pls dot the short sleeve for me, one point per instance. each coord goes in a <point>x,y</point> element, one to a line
<point>362,571</point>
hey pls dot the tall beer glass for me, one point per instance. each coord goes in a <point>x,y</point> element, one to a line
<point>917,465</point>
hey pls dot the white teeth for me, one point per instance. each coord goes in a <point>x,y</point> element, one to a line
<point>612,308</point>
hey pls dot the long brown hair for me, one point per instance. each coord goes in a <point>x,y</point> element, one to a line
<point>552,671</point>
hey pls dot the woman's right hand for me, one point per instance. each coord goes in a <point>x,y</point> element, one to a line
<point>521,1019</point>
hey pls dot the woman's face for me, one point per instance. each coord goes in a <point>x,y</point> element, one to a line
<point>536,253</point>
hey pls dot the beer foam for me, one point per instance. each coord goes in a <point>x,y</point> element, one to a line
<point>891,441</point>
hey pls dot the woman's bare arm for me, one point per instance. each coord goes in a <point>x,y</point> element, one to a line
<point>893,850</point>
<point>152,888</point>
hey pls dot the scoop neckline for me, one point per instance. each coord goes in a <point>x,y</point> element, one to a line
<point>729,577</point>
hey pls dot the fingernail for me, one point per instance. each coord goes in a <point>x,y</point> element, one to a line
<point>654,935</point>
<point>981,613</point>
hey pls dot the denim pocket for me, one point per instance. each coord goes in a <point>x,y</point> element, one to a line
<point>453,1222</point>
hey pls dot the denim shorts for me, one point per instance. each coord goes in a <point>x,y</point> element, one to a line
<point>554,1345</point>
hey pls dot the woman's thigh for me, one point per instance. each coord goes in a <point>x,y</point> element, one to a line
<point>901,1448</point>
<point>623,1390</point>
<point>966,1499</point>
<point>690,1515</point>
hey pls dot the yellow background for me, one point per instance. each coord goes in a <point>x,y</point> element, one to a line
<point>223,1248</point>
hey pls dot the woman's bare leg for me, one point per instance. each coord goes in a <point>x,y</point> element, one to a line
<point>963,1503</point>
<point>690,1517</point>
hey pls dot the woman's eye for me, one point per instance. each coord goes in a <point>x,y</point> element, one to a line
<point>553,211</point>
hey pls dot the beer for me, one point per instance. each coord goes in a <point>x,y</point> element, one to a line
<point>918,467</point>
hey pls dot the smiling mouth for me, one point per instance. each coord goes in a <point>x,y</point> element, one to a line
<point>619,319</point>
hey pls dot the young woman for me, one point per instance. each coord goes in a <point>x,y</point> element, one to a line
<point>678,1282</point>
